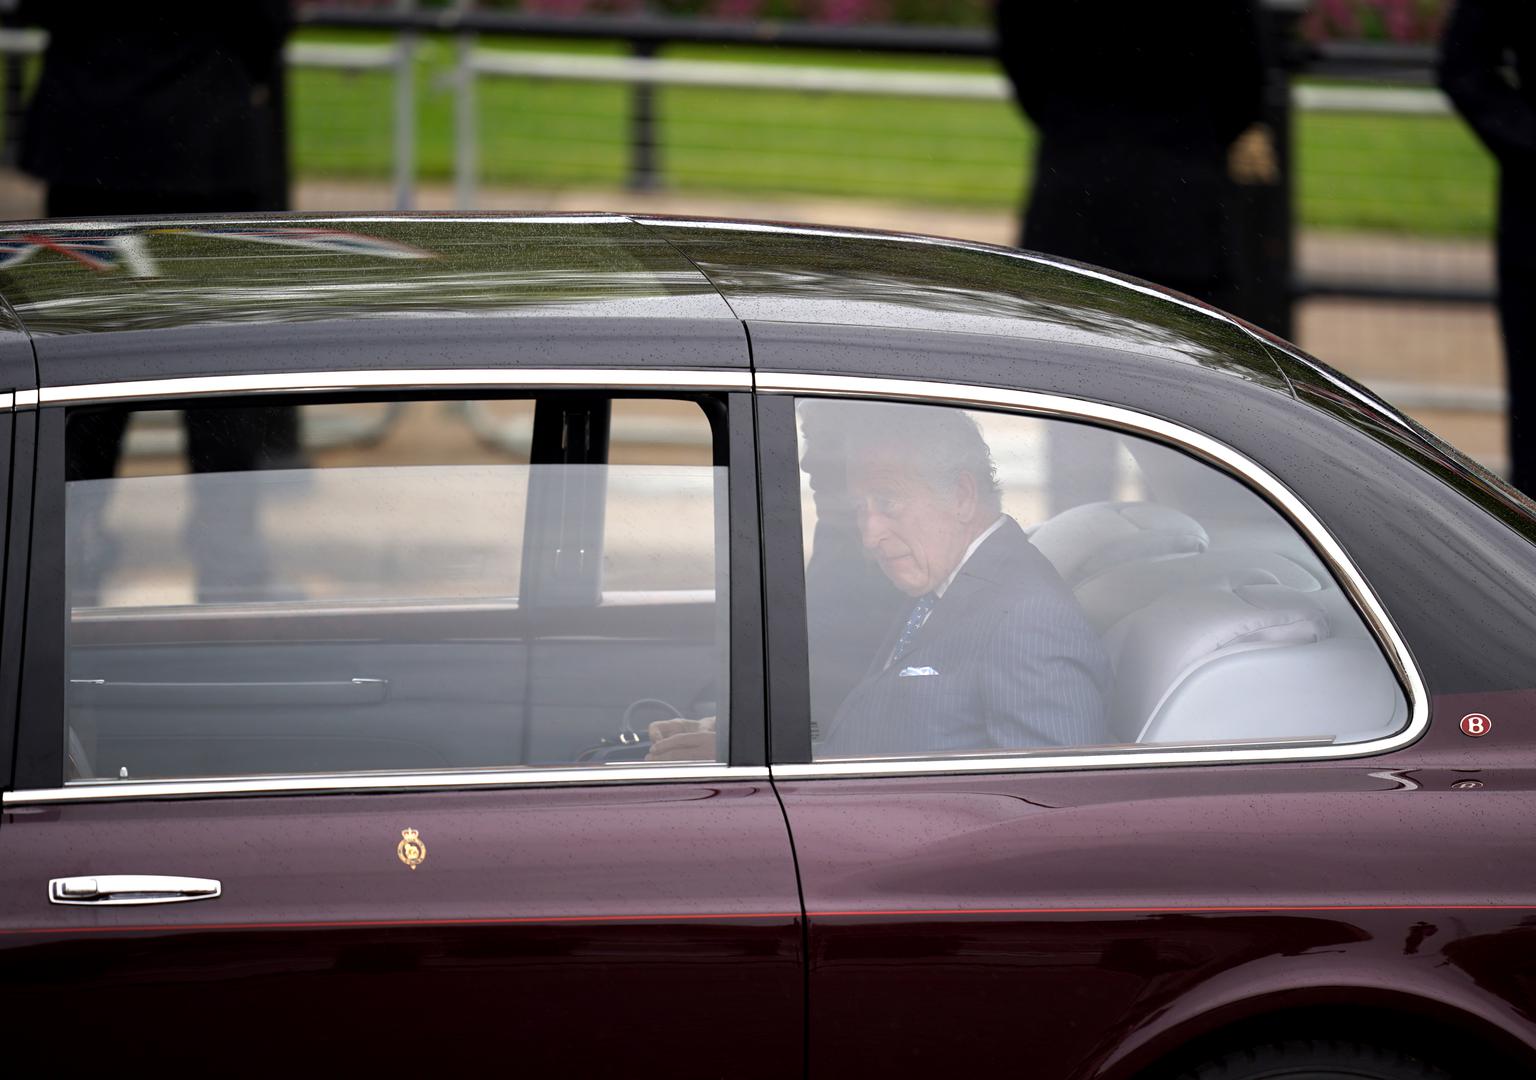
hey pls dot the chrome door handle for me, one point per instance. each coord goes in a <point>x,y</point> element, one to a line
<point>104,889</point>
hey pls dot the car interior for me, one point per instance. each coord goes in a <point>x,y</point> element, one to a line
<point>1223,627</point>
<point>563,658</point>
<point>1222,624</point>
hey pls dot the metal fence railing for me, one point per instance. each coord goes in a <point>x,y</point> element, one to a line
<point>393,64</point>
<point>642,75</point>
<point>1400,76</point>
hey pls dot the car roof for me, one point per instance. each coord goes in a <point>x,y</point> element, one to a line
<point>817,275</point>
<point>121,299</point>
<point>65,278</point>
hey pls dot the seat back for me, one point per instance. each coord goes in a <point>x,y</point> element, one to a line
<point>1246,643</point>
<point>1188,665</point>
<point>1111,595</point>
<point>1087,540</point>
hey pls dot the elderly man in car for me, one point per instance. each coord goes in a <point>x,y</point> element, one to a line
<point>993,652</point>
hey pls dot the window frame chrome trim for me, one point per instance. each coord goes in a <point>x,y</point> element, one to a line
<point>185,387</point>
<point>390,379</point>
<point>1367,604</point>
<point>341,783</point>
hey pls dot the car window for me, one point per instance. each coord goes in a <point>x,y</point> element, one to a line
<point>982,582</point>
<point>259,589</point>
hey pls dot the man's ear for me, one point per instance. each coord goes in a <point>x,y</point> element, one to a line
<point>966,501</point>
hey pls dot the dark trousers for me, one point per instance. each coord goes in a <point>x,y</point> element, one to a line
<point>1517,316</point>
<point>218,439</point>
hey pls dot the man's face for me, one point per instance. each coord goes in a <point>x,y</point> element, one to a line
<point>916,532</point>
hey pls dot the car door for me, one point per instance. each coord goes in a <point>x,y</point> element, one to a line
<point>334,724</point>
<point>1023,847</point>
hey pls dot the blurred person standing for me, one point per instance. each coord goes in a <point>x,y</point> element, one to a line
<point>1488,67</point>
<point>1146,112</point>
<point>168,107</point>
<point>1147,115</point>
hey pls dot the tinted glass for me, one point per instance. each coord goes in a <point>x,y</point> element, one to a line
<point>275,589</point>
<point>980,582</point>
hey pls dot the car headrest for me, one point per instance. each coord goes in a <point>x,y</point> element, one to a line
<point>1111,595</point>
<point>1157,647</point>
<point>1088,539</point>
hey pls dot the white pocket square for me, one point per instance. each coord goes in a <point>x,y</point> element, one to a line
<point>913,672</point>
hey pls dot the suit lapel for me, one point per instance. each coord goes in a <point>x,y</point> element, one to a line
<point>877,663</point>
<point>982,572</point>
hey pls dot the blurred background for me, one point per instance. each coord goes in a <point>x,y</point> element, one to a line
<point>1371,245</point>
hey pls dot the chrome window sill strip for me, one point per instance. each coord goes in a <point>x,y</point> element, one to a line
<point>116,791</point>
<point>389,379</point>
<point>1224,458</point>
<point>1040,761</point>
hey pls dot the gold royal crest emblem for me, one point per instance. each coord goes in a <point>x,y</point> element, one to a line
<point>412,849</point>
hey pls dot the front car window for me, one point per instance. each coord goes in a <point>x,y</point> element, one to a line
<point>989,583</point>
<point>259,589</point>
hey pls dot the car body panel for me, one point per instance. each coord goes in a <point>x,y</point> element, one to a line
<point>427,343</point>
<point>1084,913</point>
<point>543,920</point>
<point>18,367</point>
<point>16,481</point>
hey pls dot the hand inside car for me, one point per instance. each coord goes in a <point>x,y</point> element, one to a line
<point>682,740</point>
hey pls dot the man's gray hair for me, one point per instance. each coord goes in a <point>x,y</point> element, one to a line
<point>942,443</point>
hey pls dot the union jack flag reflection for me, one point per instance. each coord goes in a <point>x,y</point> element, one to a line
<point>129,250</point>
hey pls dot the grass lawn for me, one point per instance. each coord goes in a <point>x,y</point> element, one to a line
<point>1409,174</point>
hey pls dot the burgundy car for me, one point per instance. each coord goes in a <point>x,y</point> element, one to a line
<point>596,645</point>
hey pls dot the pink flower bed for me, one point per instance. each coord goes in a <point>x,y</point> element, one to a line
<point>826,12</point>
<point>1389,20</point>
<point>1379,20</point>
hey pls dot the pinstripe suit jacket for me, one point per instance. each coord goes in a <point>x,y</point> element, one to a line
<point>1005,661</point>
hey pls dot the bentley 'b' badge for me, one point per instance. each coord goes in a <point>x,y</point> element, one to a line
<point>412,849</point>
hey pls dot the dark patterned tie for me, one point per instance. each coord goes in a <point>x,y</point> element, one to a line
<point>915,622</point>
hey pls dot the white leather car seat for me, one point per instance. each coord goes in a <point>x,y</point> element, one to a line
<point>1087,540</point>
<point>1251,643</point>
<point>1117,592</point>
<point>1245,663</point>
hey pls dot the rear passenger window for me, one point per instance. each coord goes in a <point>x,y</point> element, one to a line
<point>293,588</point>
<point>982,582</point>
